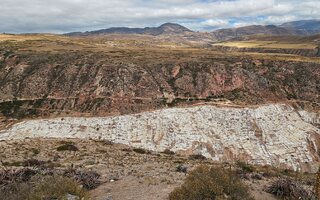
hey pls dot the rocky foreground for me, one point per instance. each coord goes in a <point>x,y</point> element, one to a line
<point>275,134</point>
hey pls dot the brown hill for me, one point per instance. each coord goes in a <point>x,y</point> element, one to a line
<point>103,80</point>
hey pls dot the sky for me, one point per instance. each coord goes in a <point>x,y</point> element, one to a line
<point>61,16</point>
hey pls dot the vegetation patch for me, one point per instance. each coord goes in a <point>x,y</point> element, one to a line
<point>211,183</point>
<point>286,188</point>
<point>141,151</point>
<point>245,167</point>
<point>168,152</point>
<point>67,147</point>
<point>46,183</point>
<point>197,157</point>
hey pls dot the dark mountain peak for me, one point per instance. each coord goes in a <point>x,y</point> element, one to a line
<point>301,22</point>
<point>173,25</point>
<point>306,26</point>
<point>167,28</point>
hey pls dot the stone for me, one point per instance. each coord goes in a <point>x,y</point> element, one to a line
<point>72,197</point>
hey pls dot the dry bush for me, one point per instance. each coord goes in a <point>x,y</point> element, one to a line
<point>141,151</point>
<point>197,157</point>
<point>88,179</point>
<point>42,187</point>
<point>288,189</point>
<point>211,183</point>
<point>168,152</point>
<point>317,185</point>
<point>67,147</point>
<point>182,169</point>
<point>34,163</point>
<point>26,183</point>
<point>245,167</point>
<point>107,142</point>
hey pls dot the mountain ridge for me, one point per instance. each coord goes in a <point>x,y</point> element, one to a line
<point>167,28</point>
<point>302,27</point>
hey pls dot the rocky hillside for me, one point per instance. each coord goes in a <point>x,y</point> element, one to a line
<point>36,84</point>
<point>305,26</point>
<point>227,34</point>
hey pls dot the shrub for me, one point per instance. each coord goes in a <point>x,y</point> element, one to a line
<point>67,147</point>
<point>13,177</point>
<point>317,185</point>
<point>35,151</point>
<point>182,169</point>
<point>245,167</point>
<point>12,164</point>
<point>107,142</point>
<point>286,188</point>
<point>197,157</point>
<point>211,183</point>
<point>42,187</point>
<point>168,152</point>
<point>139,150</point>
<point>88,179</point>
<point>34,163</point>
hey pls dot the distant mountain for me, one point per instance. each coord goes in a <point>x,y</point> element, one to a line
<point>300,28</point>
<point>167,28</point>
<point>225,34</point>
<point>305,26</point>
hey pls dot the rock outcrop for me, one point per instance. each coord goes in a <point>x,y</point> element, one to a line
<point>274,135</point>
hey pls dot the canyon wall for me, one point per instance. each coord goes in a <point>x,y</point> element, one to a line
<point>126,82</point>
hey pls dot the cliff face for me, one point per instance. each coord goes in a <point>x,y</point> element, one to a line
<point>274,135</point>
<point>44,84</point>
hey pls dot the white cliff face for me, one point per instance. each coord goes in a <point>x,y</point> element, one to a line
<point>268,135</point>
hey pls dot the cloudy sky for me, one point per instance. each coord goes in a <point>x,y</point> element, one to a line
<point>59,16</point>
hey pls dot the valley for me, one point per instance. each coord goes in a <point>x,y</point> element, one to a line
<point>135,104</point>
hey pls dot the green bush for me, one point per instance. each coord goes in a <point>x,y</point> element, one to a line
<point>35,151</point>
<point>245,167</point>
<point>210,183</point>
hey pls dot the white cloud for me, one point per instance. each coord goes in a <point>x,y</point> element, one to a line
<point>75,15</point>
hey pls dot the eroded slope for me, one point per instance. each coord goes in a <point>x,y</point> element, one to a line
<point>122,81</point>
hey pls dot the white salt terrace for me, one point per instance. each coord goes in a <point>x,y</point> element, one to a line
<point>274,135</point>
